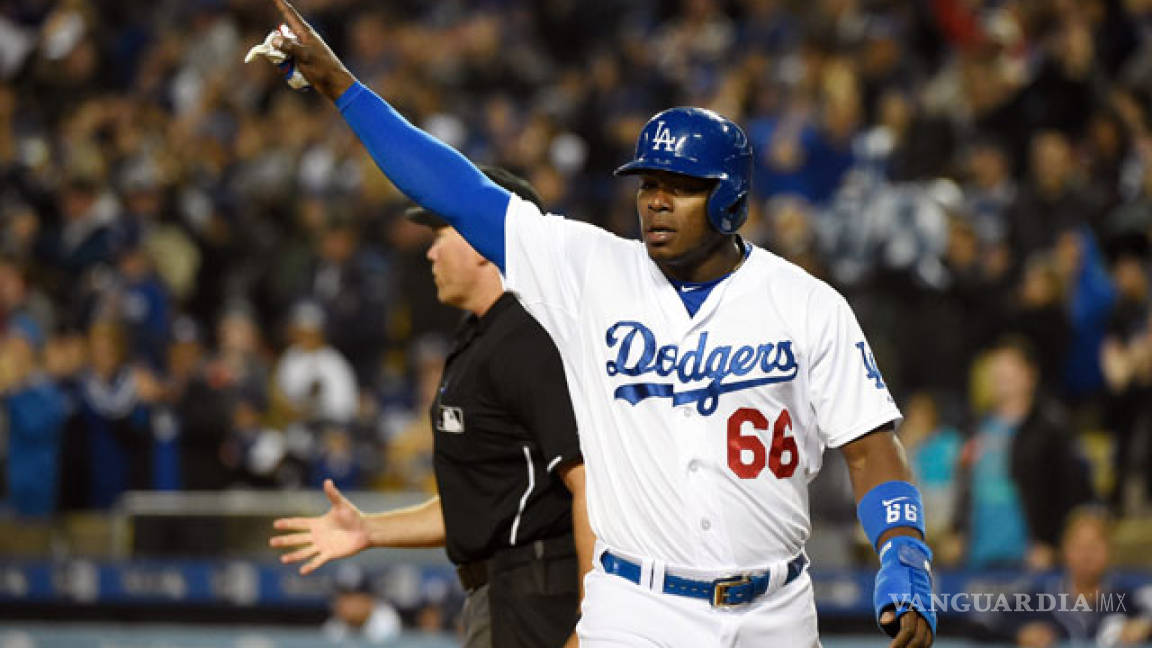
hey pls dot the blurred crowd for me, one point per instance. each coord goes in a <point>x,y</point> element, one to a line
<point>205,283</point>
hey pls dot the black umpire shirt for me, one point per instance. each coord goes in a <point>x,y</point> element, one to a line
<point>503,422</point>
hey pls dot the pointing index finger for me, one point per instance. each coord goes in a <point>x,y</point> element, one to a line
<point>293,18</point>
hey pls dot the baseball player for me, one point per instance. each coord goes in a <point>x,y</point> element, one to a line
<point>707,377</point>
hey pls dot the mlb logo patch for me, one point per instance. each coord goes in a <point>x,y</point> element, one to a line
<point>450,419</point>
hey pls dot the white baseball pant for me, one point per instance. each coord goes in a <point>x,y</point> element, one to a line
<point>618,613</point>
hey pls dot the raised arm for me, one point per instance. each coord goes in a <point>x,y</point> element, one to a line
<point>431,173</point>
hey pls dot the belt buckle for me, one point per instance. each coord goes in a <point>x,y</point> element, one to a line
<point>720,588</point>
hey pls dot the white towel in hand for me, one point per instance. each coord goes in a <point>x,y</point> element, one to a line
<point>278,58</point>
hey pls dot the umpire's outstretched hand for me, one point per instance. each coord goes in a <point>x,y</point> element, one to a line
<point>339,533</point>
<point>312,56</point>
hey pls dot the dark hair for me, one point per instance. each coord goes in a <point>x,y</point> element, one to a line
<point>1131,244</point>
<point>1018,343</point>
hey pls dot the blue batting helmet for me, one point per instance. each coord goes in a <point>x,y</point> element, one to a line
<point>700,143</point>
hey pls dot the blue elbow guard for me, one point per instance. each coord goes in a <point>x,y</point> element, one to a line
<point>904,582</point>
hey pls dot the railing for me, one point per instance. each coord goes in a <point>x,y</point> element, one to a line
<point>201,524</point>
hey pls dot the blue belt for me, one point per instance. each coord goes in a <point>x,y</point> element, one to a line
<point>722,592</point>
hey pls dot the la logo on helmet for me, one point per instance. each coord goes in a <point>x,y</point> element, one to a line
<point>663,137</point>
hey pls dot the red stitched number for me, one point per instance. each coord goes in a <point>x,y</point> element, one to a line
<point>782,445</point>
<point>738,443</point>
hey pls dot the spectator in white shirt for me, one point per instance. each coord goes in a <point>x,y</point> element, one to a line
<point>358,616</point>
<point>312,377</point>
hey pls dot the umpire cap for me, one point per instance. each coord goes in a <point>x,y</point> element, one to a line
<point>500,176</point>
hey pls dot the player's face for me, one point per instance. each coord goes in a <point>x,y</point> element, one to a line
<point>674,218</point>
<point>456,266</point>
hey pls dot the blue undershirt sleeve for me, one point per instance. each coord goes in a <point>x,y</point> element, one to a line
<point>431,173</point>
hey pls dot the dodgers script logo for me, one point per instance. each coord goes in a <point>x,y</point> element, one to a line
<point>637,354</point>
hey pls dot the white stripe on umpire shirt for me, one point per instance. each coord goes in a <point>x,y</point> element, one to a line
<point>552,464</point>
<point>524,497</point>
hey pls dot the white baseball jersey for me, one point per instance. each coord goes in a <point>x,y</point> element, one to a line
<point>700,433</point>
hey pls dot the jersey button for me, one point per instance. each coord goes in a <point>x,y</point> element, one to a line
<point>705,524</point>
<point>687,412</point>
<point>693,465</point>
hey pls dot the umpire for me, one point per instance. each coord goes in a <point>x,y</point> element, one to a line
<point>507,459</point>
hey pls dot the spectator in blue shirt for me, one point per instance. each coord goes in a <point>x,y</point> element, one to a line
<point>115,419</point>
<point>1023,471</point>
<point>144,306</point>
<point>35,411</point>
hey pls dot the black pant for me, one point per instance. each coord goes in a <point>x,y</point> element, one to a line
<point>533,595</point>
